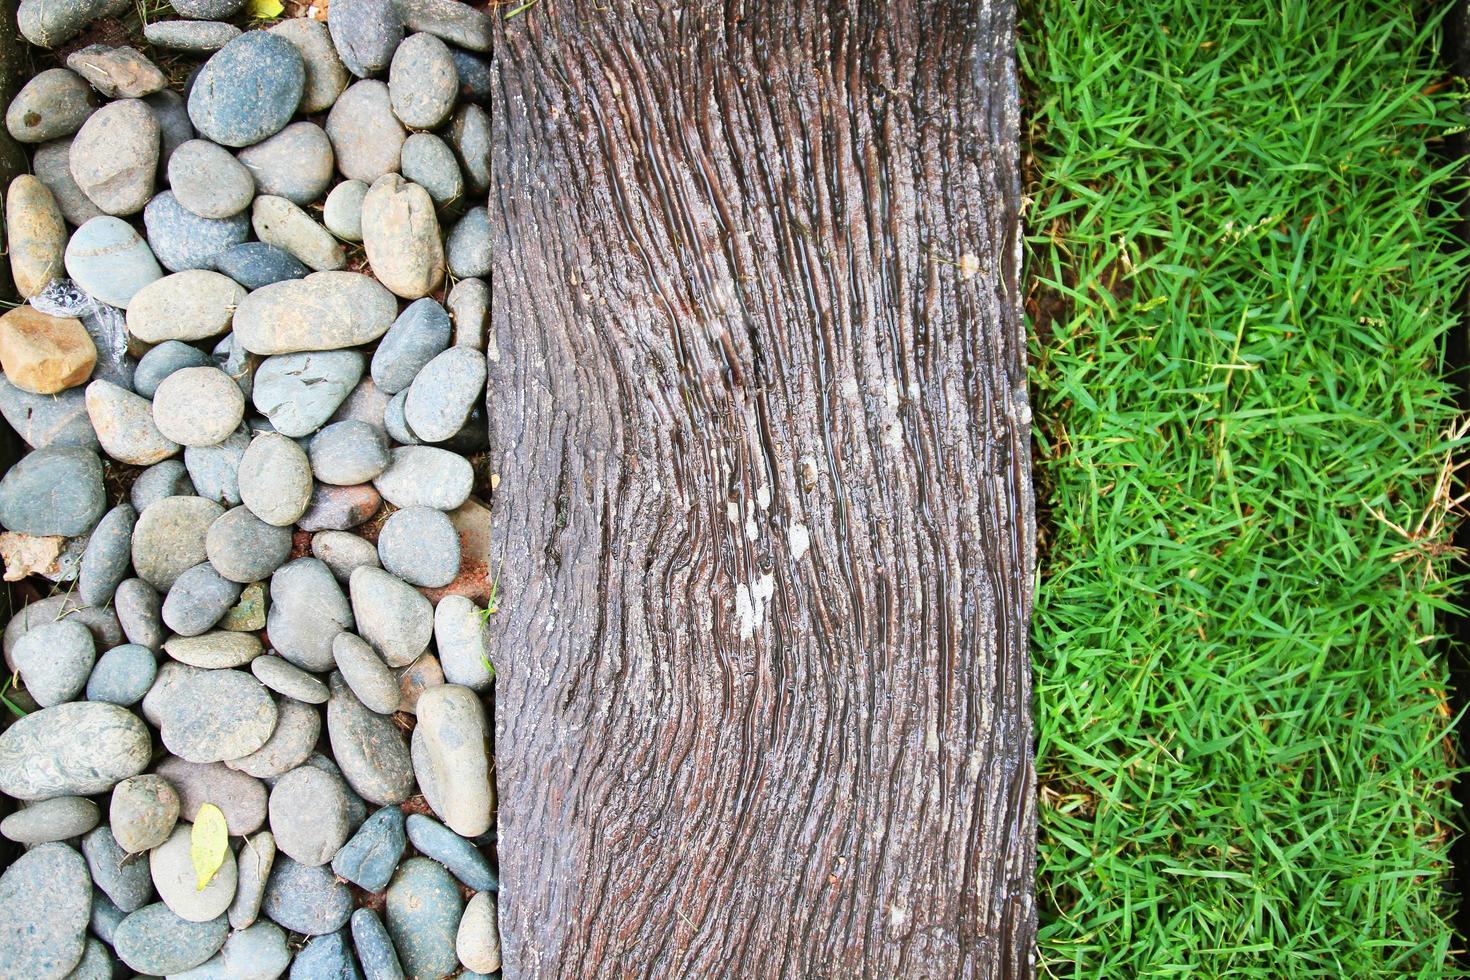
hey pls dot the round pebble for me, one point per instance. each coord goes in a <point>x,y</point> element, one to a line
<point>105,561</point>
<point>240,797</point>
<point>164,360</point>
<point>156,942</point>
<point>257,856</point>
<point>300,392</point>
<point>117,72</point>
<point>140,614</point>
<point>217,715</point>
<point>343,552</point>
<point>295,164</point>
<point>54,660</point>
<point>342,214</point>
<point>308,815</point>
<point>170,538</point>
<point>368,859</point>
<point>52,167</point>
<point>198,600</point>
<point>339,508</point>
<point>174,877</point>
<point>174,127</point>
<point>169,478</point>
<point>426,476</point>
<point>143,812</point>
<point>365,34</point>
<point>275,479</point>
<point>214,470</point>
<point>307,611</point>
<point>463,642</point>
<point>207,180</point>
<point>123,881</point>
<point>125,426</point>
<point>419,334</point>
<point>183,35</point>
<point>51,820</point>
<point>115,156</point>
<point>444,392</point>
<point>451,758</point>
<point>348,453</point>
<point>256,264</point>
<point>245,549</point>
<point>324,311</point>
<point>326,76</point>
<point>469,134</point>
<point>364,671</point>
<point>215,650</point>
<point>248,90</point>
<point>393,616</point>
<point>37,235</point>
<point>55,103</point>
<point>430,162</point>
<point>110,260</point>
<point>208,9</point>
<point>281,223</point>
<point>422,82</point>
<point>122,675</point>
<point>182,240</point>
<point>374,945</point>
<point>400,232</point>
<point>305,899</point>
<point>45,898</point>
<point>298,726</point>
<point>198,406</point>
<point>325,958</point>
<point>458,854</point>
<point>369,747</point>
<point>468,245</point>
<point>423,910</point>
<point>477,943</point>
<point>57,490</point>
<point>366,136</point>
<point>420,546</point>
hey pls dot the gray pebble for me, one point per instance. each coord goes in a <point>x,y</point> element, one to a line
<point>326,76</point>
<point>198,406</point>
<point>52,167</point>
<point>348,453</point>
<point>343,551</point>
<point>96,963</point>
<point>57,490</point>
<point>458,854</point>
<point>474,74</point>
<point>295,164</point>
<point>240,797</point>
<point>420,546</point>
<point>105,917</point>
<point>308,814</point>
<point>458,23</point>
<point>256,264</point>
<point>451,758</point>
<point>478,941</point>
<point>364,671</point>
<point>275,477</point>
<point>215,650</point>
<point>307,611</point>
<point>367,137</point>
<point>339,508</point>
<point>248,90</point>
<point>417,678</point>
<point>170,536</point>
<point>468,245</point>
<point>257,855</point>
<point>374,946</point>
<point>184,35</point>
<point>396,424</point>
<point>426,476</point>
<point>197,601</point>
<point>463,641</point>
<point>123,674</point>
<point>325,958</point>
<point>430,162</point>
<point>169,478</point>
<point>245,549</point>
<point>284,677</point>
<point>444,392</point>
<point>174,127</point>
<point>173,875</point>
<point>125,426</point>
<point>469,134</point>
<point>106,560</point>
<point>54,660</point>
<point>166,683</point>
<point>164,360</point>
<point>368,859</point>
<point>208,9</point>
<point>365,33</point>
<point>422,82</point>
<point>423,911</point>
<point>143,812</point>
<point>114,157</point>
<point>393,616</point>
<point>124,881</point>
<point>342,213</point>
<point>156,942</point>
<point>305,899</point>
<point>365,404</point>
<point>299,392</point>
<point>140,613</point>
<point>256,953</point>
<point>53,104</point>
<point>214,471</point>
<point>48,420</point>
<point>419,334</point>
<point>325,311</point>
<point>51,820</point>
<point>356,806</point>
<point>182,240</point>
<point>99,619</point>
<point>217,715</point>
<point>110,260</point>
<point>400,234</point>
<point>44,903</point>
<point>469,305</point>
<point>208,181</point>
<point>369,747</point>
<point>280,223</point>
<point>298,726</point>
<point>117,72</point>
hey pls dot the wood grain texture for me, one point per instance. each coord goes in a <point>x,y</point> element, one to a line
<point>758,407</point>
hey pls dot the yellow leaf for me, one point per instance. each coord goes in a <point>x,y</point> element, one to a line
<point>265,9</point>
<point>208,842</point>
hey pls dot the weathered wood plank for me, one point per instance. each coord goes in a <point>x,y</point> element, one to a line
<point>758,406</point>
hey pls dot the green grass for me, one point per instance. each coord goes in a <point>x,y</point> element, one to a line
<point>1240,295</point>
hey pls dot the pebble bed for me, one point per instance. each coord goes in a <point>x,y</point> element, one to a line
<point>250,373</point>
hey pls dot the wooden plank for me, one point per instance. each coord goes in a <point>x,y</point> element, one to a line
<point>764,523</point>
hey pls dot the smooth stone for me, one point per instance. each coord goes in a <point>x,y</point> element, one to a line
<point>99,619</point>
<point>214,470</point>
<point>365,404</point>
<point>342,214</point>
<point>45,354</point>
<point>356,805</point>
<point>258,952</point>
<point>325,958</point>
<point>36,234</point>
<point>122,675</point>
<point>166,683</point>
<point>237,362</point>
<point>415,679</point>
<point>308,815</point>
<point>365,34</point>
<point>105,561</point>
<point>300,392</point>
<point>307,611</point>
<point>53,104</point>
<point>422,82</point>
<point>164,360</point>
<point>96,963</point>
<point>117,72</point>
<point>305,899</point>
<point>140,614</point>
<point>469,134</point>
<point>348,453</point>
<point>48,420</point>
<point>49,23</point>
<point>256,264</point>
<point>364,671</point>
<point>477,942</point>
<point>169,478</point>
<point>245,549</point>
<point>114,157</point>
<point>123,881</point>
<point>248,90</point>
<point>124,425</point>
<point>280,223</point>
<point>156,942</point>
<point>256,857</point>
<point>458,23</point>
<point>143,812</point>
<point>170,538</point>
<point>423,910</point>
<point>396,424</point>
<point>367,137</point>
<point>247,615</point>
<point>324,311</point>
<point>240,797</point>
<point>469,305</point>
<point>198,406</point>
<point>217,715</point>
<point>298,726</point>
<point>444,392</point>
<point>208,181</point>
<point>375,946</point>
<point>474,75</point>
<point>468,245</point>
<point>174,877</point>
<point>392,616</point>
<point>110,260</point>
<point>368,859</point>
<point>339,508</point>
<point>451,758</point>
<point>175,129</point>
<point>51,820</point>
<point>419,334</point>
<point>428,161</point>
<point>369,747</point>
<point>275,479</point>
<point>57,490</point>
<point>459,855</point>
<point>54,661</point>
<point>45,900</point>
<point>52,167</point>
<point>295,164</point>
<point>400,233</point>
<point>426,476</point>
<point>285,678</point>
<point>194,304</point>
<point>420,546</point>
<point>343,552</point>
<point>196,36</point>
<point>326,76</point>
<point>182,240</point>
<point>463,641</point>
<point>105,917</point>
<point>208,9</point>
<point>198,600</point>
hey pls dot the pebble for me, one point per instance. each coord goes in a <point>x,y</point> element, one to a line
<point>182,240</point>
<point>324,311</point>
<point>366,136</point>
<point>444,392</point>
<point>339,508</point>
<point>96,962</point>
<point>53,104</point>
<point>143,812</point>
<point>396,424</point>
<point>122,675</point>
<point>170,538</point>
<point>166,683</point>
<point>295,164</point>
<point>217,715</point>
<point>468,245</point>
<point>458,23</point>
<point>368,859</point>
<point>164,360</point>
<point>140,612</point>
<point>115,156</point>
<point>101,621</point>
<point>200,406</point>
<point>369,747</point>
<point>245,549</point>
<point>208,181</point>
<point>54,660</point>
<point>284,677</point>
<point>469,134</point>
<point>308,815</point>
<point>51,820</point>
<point>417,336</point>
<point>451,758</point>
<point>248,90</point>
<point>463,641</point>
<point>307,611</point>
<point>400,233</point>
<point>45,899</point>
<point>110,260</point>
<point>325,958</point>
<point>214,470</point>
<point>348,453</point>
<point>375,946</point>
<point>117,72</point>
<point>208,9</point>
<point>257,855</point>
<point>342,214</point>
<point>305,899</point>
<point>124,425</point>
<point>423,910</point>
<point>474,74</point>
<point>422,82</point>
<point>426,476</point>
<point>174,877</point>
<point>364,671</point>
<point>169,478</point>
<point>326,76</point>
<point>365,34</point>
<point>48,23</point>
<point>415,679</point>
<point>213,651</point>
<point>429,162</point>
<point>36,233</point>
<point>44,354</point>
<point>48,420</point>
<point>298,726</point>
<point>52,167</point>
<point>469,305</point>
<point>299,392</point>
<point>477,942</point>
<point>247,615</point>
<point>123,881</point>
<point>256,953</point>
<point>459,855</point>
<point>175,129</point>
<point>343,552</point>
<point>275,479</point>
<point>195,36</point>
<point>195,304</point>
<point>241,798</point>
<point>356,806</point>
<point>365,404</point>
<point>56,490</point>
<point>392,616</point>
<point>105,917</point>
<point>256,264</point>
<point>198,600</point>
<point>420,546</point>
<point>156,942</point>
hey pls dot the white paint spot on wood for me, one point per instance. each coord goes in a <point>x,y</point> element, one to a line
<point>799,539</point>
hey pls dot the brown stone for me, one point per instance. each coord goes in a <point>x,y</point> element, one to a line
<point>37,235</point>
<point>45,354</point>
<point>339,508</point>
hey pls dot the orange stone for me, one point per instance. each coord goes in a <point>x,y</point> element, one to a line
<point>45,354</point>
